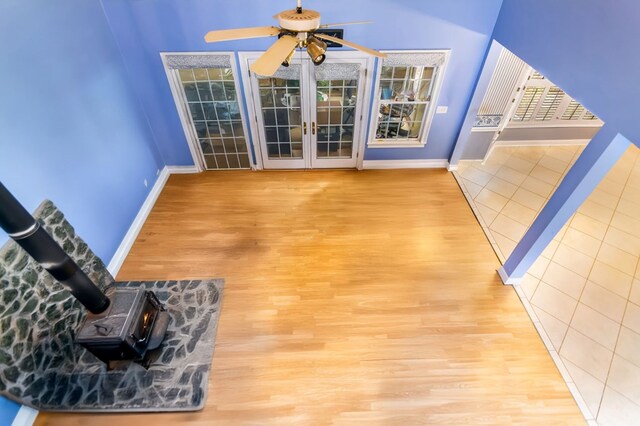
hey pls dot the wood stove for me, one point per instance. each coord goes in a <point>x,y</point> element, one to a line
<point>134,324</point>
<point>122,325</point>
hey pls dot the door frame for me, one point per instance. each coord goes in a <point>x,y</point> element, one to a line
<point>358,149</point>
<point>180,100</point>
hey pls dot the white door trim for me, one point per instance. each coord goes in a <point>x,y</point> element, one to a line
<point>181,104</point>
<point>368,62</point>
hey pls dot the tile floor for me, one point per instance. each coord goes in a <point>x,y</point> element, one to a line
<point>583,293</point>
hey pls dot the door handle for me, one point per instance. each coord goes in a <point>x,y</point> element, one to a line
<point>313,127</point>
<point>304,127</point>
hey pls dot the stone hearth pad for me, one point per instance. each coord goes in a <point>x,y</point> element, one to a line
<point>178,376</point>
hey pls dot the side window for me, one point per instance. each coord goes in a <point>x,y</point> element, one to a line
<point>406,87</point>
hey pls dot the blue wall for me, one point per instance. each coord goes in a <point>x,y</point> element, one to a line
<point>71,129</point>
<point>590,48</point>
<point>144,28</point>
<point>8,411</point>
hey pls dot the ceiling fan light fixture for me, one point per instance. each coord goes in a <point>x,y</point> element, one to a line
<point>316,50</point>
<point>289,58</point>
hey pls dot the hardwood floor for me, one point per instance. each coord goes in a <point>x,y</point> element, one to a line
<point>351,298</point>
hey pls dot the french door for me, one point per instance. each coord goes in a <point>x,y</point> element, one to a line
<point>307,116</point>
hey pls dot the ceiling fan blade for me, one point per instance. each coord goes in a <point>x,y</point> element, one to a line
<point>341,24</point>
<point>350,44</point>
<point>268,63</point>
<point>240,33</point>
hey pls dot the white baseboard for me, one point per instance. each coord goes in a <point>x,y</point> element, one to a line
<point>173,170</point>
<point>452,167</point>
<point>25,417</point>
<point>130,237</point>
<point>544,142</point>
<point>405,164</point>
<point>506,279</point>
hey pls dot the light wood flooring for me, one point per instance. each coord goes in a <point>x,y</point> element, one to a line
<point>351,298</point>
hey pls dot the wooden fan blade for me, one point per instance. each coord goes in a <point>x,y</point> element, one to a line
<point>240,33</point>
<point>350,44</point>
<point>268,63</point>
<point>341,24</point>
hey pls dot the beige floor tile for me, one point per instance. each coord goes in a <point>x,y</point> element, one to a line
<point>520,165</point>
<point>611,278</point>
<point>545,175</point>
<point>587,354</point>
<point>487,214</point>
<point>537,186</point>
<point>554,302</point>
<point>617,410</point>
<point>476,176</point>
<point>532,153</point>
<point>629,207</point>
<point>573,260</point>
<point>564,153</point>
<point>492,165</point>
<point>499,155</point>
<point>624,378</point>
<point>632,190</point>
<point>501,186</point>
<point>628,346</point>
<point>553,163</point>
<point>529,199</point>
<point>596,326</point>
<point>529,284</point>
<point>505,245</point>
<point>511,175</point>
<point>472,188</point>
<point>508,227</point>
<point>590,388</point>
<point>634,296</point>
<point>597,211</point>
<point>602,197</point>
<point>604,301</point>
<point>626,223</point>
<point>631,317</point>
<point>519,213</point>
<point>550,249</point>
<point>555,329</point>
<point>491,199</point>
<point>619,259</point>
<point>582,242</point>
<point>564,280</point>
<point>589,226</point>
<point>623,241</point>
<point>539,267</point>
<point>611,186</point>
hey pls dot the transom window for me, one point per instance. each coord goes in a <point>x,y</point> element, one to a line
<point>405,89</point>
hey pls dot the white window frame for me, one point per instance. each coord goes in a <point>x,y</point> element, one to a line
<point>181,103</point>
<point>421,141</point>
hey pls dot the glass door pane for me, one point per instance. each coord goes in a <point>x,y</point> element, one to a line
<point>281,114</point>
<point>337,102</point>
<point>212,102</point>
<point>280,117</point>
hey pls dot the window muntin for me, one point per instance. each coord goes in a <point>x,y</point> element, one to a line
<point>213,105</point>
<point>407,83</point>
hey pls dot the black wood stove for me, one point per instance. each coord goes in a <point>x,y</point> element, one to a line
<point>124,324</point>
<point>134,323</point>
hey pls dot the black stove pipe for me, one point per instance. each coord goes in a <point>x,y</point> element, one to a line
<point>27,232</point>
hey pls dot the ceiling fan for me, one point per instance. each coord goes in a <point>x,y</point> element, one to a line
<point>297,30</point>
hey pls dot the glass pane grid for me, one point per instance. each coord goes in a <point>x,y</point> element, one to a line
<point>213,105</point>
<point>280,105</point>
<point>405,93</point>
<point>335,109</point>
